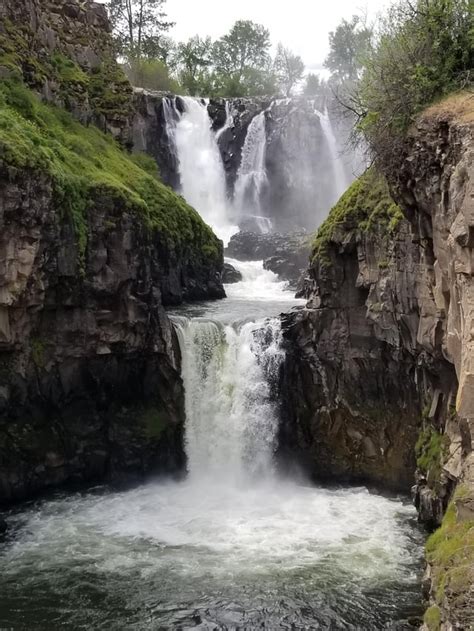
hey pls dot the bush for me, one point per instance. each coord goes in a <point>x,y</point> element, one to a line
<point>424,50</point>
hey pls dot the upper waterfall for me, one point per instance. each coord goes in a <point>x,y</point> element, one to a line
<point>200,167</point>
<point>252,174</point>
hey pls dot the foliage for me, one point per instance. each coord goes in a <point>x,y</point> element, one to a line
<point>194,59</point>
<point>424,50</point>
<point>450,553</point>
<point>312,85</point>
<point>366,206</point>
<point>289,69</point>
<point>430,449</point>
<point>432,618</point>
<point>349,45</point>
<point>245,47</point>
<point>82,161</point>
<point>150,74</point>
<point>139,27</point>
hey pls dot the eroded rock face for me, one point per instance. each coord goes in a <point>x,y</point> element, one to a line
<point>385,344</point>
<point>65,52</point>
<point>387,330</point>
<point>90,385</point>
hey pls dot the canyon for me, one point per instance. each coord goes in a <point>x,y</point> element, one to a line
<point>123,355</point>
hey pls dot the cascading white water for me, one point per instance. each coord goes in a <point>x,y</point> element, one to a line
<point>231,422</point>
<point>200,167</point>
<point>252,174</point>
<point>341,181</point>
<point>229,119</point>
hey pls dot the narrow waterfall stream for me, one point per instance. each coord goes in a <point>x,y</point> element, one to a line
<point>235,545</point>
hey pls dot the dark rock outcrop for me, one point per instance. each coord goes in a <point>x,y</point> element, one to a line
<point>284,254</point>
<point>230,275</point>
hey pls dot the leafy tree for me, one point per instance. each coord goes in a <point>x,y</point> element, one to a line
<point>349,45</point>
<point>151,74</point>
<point>313,85</point>
<point>289,69</point>
<point>424,50</point>
<point>194,59</point>
<point>245,48</point>
<point>139,26</point>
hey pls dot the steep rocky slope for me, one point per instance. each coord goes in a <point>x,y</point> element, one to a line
<point>378,378</point>
<point>92,246</point>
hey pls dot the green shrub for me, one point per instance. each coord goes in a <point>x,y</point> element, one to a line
<point>424,51</point>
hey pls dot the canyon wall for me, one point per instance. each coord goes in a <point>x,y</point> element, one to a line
<point>378,379</point>
<point>92,247</point>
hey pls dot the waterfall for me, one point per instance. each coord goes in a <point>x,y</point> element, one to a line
<point>252,175</point>
<point>229,120</point>
<point>200,166</point>
<point>340,178</point>
<point>231,420</point>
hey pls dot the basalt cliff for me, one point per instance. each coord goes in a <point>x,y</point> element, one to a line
<point>92,247</point>
<point>379,376</point>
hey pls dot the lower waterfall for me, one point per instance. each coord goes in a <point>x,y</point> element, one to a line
<point>234,545</point>
<point>231,422</point>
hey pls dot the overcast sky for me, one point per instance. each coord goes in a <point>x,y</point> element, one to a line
<point>302,25</point>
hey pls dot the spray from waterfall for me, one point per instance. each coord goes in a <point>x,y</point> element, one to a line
<point>341,181</point>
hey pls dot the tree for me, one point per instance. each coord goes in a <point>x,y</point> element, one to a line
<point>312,86</point>
<point>194,59</point>
<point>245,47</point>
<point>423,51</point>
<point>289,69</point>
<point>151,74</point>
<point>139,27</point>
<point>349,45</point>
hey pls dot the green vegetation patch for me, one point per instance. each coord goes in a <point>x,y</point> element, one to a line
<point>431,448</point>
<point>84,163</point>
<point>366,206</point>
<point>432,618</point>
<point>450,552</point>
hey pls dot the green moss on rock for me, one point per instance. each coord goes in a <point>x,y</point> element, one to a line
<point>366,206</point>
<point>450,553</point>
<point>432,618</point>
<point>430,450</point>
<point>84,164</point>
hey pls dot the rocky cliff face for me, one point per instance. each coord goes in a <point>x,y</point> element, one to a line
<point>92,247</point>
<point>64,51</point>
<point>378,377</point>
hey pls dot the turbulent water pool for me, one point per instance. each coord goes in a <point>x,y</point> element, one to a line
<point>234,545</point>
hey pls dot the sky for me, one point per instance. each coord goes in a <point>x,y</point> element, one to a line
<point>301,25</point>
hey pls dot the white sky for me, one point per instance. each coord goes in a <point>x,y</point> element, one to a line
<point>302,25</point>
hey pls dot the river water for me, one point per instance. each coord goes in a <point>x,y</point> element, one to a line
<point>232,546</point>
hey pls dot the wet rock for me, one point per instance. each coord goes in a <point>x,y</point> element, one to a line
<point>230,275</point>
<point>284,254</point>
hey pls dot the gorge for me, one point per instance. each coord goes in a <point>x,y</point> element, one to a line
<point>176,452</point>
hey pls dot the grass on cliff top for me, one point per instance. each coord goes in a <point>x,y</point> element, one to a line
<point>450,552</point>
<point>83,161</point>
<point>366,206</point>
